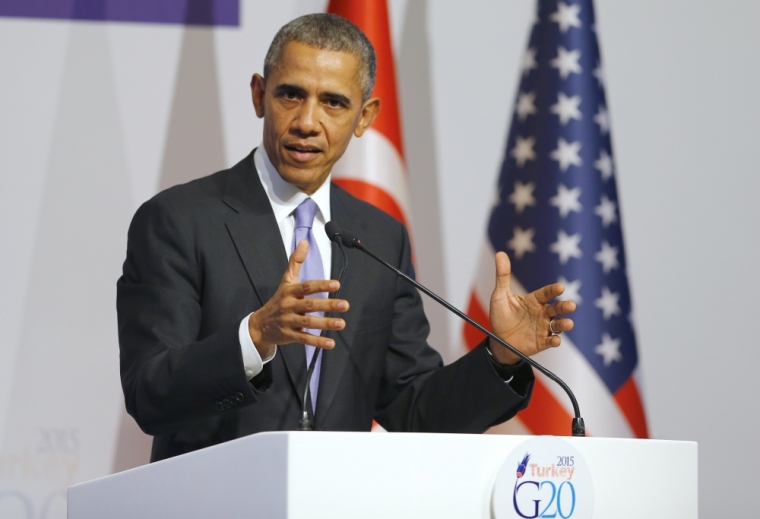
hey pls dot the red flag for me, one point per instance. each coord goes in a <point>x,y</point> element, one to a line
<point>373,166</point>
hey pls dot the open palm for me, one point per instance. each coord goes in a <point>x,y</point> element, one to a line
<point>523,321</point>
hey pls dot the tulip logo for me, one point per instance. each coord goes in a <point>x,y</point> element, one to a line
<point>522,467</point>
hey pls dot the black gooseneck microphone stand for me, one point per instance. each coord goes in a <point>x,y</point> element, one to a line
<point>351,241</point>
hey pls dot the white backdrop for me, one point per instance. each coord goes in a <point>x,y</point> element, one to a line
<point>95,117</point>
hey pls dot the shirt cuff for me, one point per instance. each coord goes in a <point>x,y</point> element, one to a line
<point>251,359</point>
<point>506,372</point>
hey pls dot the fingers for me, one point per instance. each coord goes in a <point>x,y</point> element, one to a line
<point>503,270</point>
<point>314,304</point>
<point>549,292</point>
<point>293,272</point>
<point>562,325</point>
<point>315,286</point>
<point>304,335</point>
<point>315,322</point>
<point>560,308</point>
<point>556,327</point>
<point>313,340</point>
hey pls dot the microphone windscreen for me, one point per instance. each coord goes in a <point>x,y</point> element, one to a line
<point>332,230</point>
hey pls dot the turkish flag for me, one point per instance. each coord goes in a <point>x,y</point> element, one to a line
<point>373,166</point>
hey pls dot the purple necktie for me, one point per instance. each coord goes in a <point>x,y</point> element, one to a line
<point>311,269</point>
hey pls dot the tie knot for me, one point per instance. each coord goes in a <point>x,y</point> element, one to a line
<point>305,213</point>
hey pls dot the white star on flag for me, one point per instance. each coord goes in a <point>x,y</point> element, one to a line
<point>567,62</point>
<point>607,211</point>
<point>572,290</point>
<point>567,108</point>
<point>608,303</point>
<point>609,349</point>
<point>529,61</point>
<point>567,16</point>
<point>604,165</point>
<point>525,105</point>
<point>522,242</point>
<point>522,196</point>
<point>523,150</point>
<point>566,200</point>
<point>607,256</point>
<point>599,74</point>
<point>566,154</point>
<point>602,118</point>
<point>566,246</point>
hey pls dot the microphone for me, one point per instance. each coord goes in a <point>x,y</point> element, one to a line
<point>333,232</point>
<point>349,240</point>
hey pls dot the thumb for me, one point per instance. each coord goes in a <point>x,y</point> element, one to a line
<point>293,273</point>
<point>503,271</point>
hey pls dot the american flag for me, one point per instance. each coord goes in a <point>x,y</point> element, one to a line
<point>557,215</point>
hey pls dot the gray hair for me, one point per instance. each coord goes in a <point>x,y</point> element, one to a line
<point>327,32</point>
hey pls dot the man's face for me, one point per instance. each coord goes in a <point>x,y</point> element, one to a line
<point>312,105</point>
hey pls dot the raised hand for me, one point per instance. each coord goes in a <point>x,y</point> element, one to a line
<point>283,318</point>
<point>523,321</point>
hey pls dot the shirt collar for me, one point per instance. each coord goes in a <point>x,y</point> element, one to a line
<point>285,197</point>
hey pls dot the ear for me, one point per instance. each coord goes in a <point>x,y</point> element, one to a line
<point>370,109</point>
<point>258,89</point>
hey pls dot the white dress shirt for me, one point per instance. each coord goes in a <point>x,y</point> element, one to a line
<point>284,199</point>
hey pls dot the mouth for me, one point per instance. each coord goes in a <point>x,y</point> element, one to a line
<point>302,152</point>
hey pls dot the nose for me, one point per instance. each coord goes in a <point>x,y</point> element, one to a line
<point>307,119</point>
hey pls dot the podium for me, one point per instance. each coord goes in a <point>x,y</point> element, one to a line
<point>280,475</point>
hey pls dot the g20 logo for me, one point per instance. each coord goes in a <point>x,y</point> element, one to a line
<point>545,477</point>
<point>560,504</point>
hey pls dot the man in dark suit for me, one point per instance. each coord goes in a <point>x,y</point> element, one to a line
<point>216,322</point>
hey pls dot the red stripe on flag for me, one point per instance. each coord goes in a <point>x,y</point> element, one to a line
<point>473,336</point>
<point>629,401</point>
<point>372,194</point>
<point>371,16</point>
<point>544,414</point>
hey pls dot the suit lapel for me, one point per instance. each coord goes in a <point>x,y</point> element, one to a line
<point>334,361</point>
<point>258,241</point>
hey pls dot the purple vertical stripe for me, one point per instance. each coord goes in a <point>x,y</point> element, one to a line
<point>187,12</point>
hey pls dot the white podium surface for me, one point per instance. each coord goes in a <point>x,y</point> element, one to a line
<point>364,475</point>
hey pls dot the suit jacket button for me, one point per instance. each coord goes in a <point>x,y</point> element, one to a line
<point>240,396</point>
<point>226,402</point>
<point>220,406</point>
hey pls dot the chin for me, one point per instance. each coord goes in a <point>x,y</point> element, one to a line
<point>300,177</point>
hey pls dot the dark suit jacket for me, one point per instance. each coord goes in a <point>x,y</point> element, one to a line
<point>203,255</point>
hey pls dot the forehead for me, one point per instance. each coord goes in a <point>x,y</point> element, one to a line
<point>317,69</point>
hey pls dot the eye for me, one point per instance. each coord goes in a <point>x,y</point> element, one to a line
<point>335,103</point>
<point>288,94</point>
